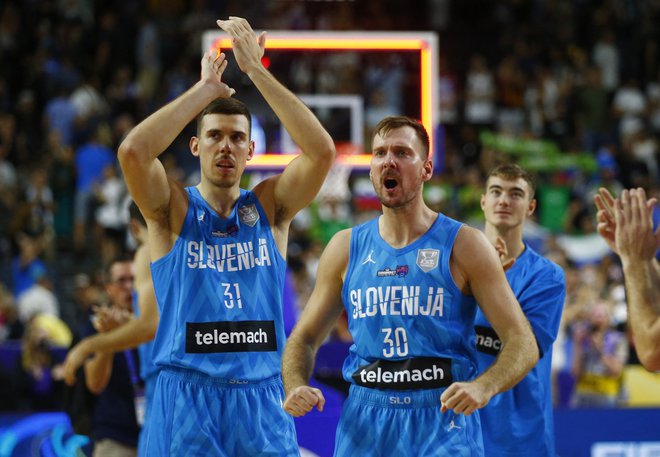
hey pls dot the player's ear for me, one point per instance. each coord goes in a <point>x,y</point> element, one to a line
<point>532,207</point>
<point>251,150</point>
<point>427,171</point>
<point>194,146</point>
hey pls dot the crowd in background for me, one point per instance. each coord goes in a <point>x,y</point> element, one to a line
<point>77,75</point>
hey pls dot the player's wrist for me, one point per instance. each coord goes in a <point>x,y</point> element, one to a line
<point>208,88</point>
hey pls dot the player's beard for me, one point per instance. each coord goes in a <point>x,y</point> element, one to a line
<point>403,200</point>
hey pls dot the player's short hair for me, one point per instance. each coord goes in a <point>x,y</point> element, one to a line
<point>511,171</point>
<point>395,122</point>
<point>225,106</point>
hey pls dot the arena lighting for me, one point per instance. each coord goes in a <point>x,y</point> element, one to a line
<point>424,42</point>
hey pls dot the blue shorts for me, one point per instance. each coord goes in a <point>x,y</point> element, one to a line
<point>196,415</point>
<point>404,423</point>
<point>149,386</point>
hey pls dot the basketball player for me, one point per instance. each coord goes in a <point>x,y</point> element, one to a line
<point>409,281</point>
<point>540,288</point>
<point>218,261</point>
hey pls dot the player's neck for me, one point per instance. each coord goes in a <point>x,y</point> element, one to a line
<point>401,226</point>
<point>512,237</point>
<point>221,199</point>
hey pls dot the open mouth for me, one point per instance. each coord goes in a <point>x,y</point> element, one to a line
<point>390,183</point>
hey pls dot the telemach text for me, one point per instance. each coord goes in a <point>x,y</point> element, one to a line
<point>416,373</point>
<point>230,336</point>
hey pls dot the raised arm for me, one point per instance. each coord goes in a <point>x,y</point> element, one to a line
<point>297,186</point>
<point>478,264</point>
<point>318,318</point>
<point>637,244</point>
<point>138,153</point>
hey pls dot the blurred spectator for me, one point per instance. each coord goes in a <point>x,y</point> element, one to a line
<point>448,93</point>
<point>147,56</point>
<point>111,213</point>
<point>108,375</point>
<point>377,107</point>
<point>629,108</point>
<point>653,97</point>
<point>88,102</point>
<point>38,298</point>
<point>606,56</point>
<point>26,266</point>
<point>510,82</point>
<point>386,74</point>
<point>92,158</point>
<point>591,116</point>
<point>11,328</point>
<point>479,93</point>
<point>40,202</point>
<point>122,92</point>
<point>40,369</point>
<point>60,115</point>
<point>85,298</point>
<point>62,181</point>
<point>599,355</point>
<point>644,147</point>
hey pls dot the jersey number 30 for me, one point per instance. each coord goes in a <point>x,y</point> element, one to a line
<point>395,342</point>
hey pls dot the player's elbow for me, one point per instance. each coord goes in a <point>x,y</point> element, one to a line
<point>127,153</point>
<point>150,330</point>
<point>130,151</point>
<point>147,327</point>
<point>326,153</point>
<point>95,385</point>
<point>530,348</point>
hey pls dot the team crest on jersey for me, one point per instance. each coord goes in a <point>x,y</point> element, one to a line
<point>427,259</point>
<point>248,214</point>
<point>400,271</point>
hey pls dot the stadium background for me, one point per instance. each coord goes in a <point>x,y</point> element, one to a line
<point>570,89</point>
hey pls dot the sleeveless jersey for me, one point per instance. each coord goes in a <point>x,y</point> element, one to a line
<point>219,293</point>
<point>540,288</point>
<point>412,326</point>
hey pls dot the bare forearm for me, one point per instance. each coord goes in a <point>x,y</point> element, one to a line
<point>157,132</point>
<point>129,335</point>
<point>297,363</point>
<point>642,279</point>
<point>98,371</point>
<point>304,128</point>
<point>513,363</point>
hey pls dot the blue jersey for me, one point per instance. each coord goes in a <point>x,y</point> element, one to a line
<point>219,292</point>
<point>519,422</point>
<point>145,350</point>
<point>412,326</point>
